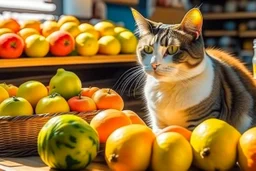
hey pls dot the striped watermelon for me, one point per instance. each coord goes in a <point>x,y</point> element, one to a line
<point>67,142</point>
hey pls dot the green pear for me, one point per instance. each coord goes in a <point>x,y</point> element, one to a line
<point>66,83</point>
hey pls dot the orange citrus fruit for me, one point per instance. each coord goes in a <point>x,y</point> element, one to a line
<point>135,119</point>
<point>107,121</point>
<point>176,128</point>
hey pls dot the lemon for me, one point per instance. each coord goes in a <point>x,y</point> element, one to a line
<point>109,45</point>
<point>88,28</point>
<point>214,143</point>
<point>71,27</point>
<point>36,46</point>
<point>68,18</point>
<point>3,94</point>
<point>129,148</point>
<point>86,44</point>
<point>5,30</point>
<point>171,151</point>
<point>105,28</point>
<point>32,91</point>
<point>128,42</point>
<point>26,32</point>
<point>119,29</point>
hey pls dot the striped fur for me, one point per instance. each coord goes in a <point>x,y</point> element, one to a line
<point>195,83</point>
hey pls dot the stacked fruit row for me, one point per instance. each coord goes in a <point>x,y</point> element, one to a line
<point>64,37</point>
<point>64,94</point>
<point>131,145</point>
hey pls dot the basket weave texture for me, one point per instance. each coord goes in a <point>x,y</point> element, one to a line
<point>18,135</point>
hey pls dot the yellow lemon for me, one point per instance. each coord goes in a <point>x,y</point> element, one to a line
<point>5,30</point>
<point>3,94</point>
<point>26,32</point>
<point>105,28</point>
<point>67,18</point>
<point>32,91</point>
<point>109,45</point>
<point>86,44</point>
<point>36,46</point>
<point>129,148</point>
<point>71,27</point>
<point>171,151</point>
<point>119,29</point>
<point>128,42</point>
<point>214,143</point>
<point>49,27</point>
<point>88,28</point>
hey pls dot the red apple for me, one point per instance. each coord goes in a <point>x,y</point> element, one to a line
<point>11,46</point>
<point>61,43</point>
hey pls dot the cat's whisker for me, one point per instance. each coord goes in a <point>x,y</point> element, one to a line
<point>126,81</point>
<point>137,75</point>
<point>124,75</point>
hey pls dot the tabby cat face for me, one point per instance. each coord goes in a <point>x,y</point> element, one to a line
<point>171,52</point>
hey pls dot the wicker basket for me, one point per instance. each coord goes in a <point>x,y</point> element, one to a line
<point>18,135</point>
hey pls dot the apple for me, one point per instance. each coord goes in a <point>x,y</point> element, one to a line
<point>11,46</point>
<point>61,43</point>
<point>81,104</point>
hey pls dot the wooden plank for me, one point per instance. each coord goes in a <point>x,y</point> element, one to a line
<point>36,164</point>
<point>124,2</point>
<point>251,34</point>
<point>71,60</point>
<point>217,33</point>
<point>231,15</point>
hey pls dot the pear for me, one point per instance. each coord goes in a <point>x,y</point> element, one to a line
<point>65,83</point>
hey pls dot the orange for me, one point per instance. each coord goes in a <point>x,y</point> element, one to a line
<point>107,98</point>
<point>11,24</point>
<point>135,119</point>
<point>107,121</point>
<point>12,90</point>
<point>247,150</point>
<point>49,27</point>
<point>129,148</point>
<point>176,128</point>
<point>34,24</point>
<point>32,91</point>
<point>89,91</point>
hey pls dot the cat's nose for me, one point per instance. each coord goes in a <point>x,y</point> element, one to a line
<point>154,66</point>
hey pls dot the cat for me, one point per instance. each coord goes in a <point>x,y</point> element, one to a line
<point>187,83</point>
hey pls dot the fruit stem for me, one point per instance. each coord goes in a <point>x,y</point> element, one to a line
<point>205,152</point>
<point>54,95</point>
<point>80,95</point>
<point>114,158</point>
<point>66,43</point>
<point>13,45</point>
<point>109,91</point>
<point>15,99</point>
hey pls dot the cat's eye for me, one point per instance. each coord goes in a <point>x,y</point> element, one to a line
<point>148,49</point>
<point>172,49</point>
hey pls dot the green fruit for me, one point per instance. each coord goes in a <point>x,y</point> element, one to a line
<point>214,143</point>
<point>66,83</point>
<point>53,103</point>
<point>67,142</point>
<point>15,106</point>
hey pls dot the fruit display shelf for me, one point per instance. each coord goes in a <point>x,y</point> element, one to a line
<point>69,60</point>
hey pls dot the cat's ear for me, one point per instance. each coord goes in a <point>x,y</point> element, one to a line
<point>142,23</point>
<point>192,22</point>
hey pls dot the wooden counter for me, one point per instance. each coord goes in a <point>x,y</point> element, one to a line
<point>36,164</point>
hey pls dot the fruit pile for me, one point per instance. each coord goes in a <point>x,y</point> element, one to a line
<point>64,37</point>
<point>64,94</point>
<point>131,145</point>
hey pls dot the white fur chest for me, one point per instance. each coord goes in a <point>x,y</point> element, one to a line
<point>167,101</point>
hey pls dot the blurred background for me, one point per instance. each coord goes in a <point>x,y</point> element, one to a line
<point>228,24</point>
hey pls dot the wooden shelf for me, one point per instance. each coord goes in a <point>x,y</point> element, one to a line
<point>125,2</point>
<point>71,60</point>
<point>233,15</point>
<point>217,33</point>
<point>251,34</point>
